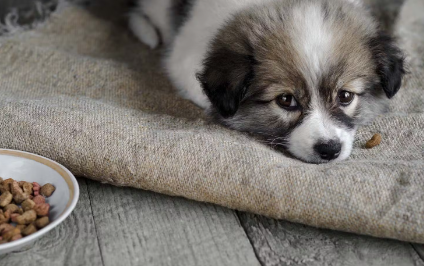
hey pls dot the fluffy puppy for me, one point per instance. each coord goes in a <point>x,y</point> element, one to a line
<point>300,74</point>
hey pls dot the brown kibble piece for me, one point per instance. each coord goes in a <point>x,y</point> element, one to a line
<point>47,190</point>
<point>21,226</point>
<point>5,199</point>
<point>30,229</point>
<point>5,227</point>
<point>7,235</point>
<point>6,184</point>
<point>42,222</point>
<point>3,188</point>
<point>28,205</point>
<point>13,217</point>
<point>16,237</point>
<point>12,207</point>
<point>5,216</point>
<point>374,141</point>
<point>27,188</point>
<point>39,199</point>
<point>27,217</point>
<point>18,194</point>
<point>42,209</point>
<point>20,211</point>
<point>20,197</point>
<point>15,188</point>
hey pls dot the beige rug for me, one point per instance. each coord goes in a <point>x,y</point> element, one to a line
<point>83,91</point>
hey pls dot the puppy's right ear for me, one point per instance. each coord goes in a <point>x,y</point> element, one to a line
<point>225,78</point>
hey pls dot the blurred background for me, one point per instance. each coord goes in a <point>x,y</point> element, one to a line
<point>29,13</point>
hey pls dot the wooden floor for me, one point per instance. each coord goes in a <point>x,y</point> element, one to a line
<point>123,226</point>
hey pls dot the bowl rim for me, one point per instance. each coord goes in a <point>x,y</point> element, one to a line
<point>61,170</point>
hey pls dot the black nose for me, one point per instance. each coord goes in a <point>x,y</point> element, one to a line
<point>328,150</point>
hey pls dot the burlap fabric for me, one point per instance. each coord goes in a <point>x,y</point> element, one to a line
<point>83,91</point>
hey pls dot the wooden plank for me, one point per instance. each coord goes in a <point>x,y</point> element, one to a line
<point>137,227</point>
<point>73,242</point>
<point>285,243</point>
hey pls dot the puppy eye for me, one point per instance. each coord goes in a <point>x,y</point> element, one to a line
<point>287,102</point>
<point>346,97</point>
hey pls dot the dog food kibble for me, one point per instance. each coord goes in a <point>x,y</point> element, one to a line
<point>39,199</point>
<point>12,207</point>
<point>42,222</point>
<point>16,237</point>
<point>27,188</point>
<point>28,205</point>
<point>42,209</point>
<point>13,217</point>
<point>5,227</point>
<point>23,208</point>
<point>9,234</point>
<point>21,226</point>
<point>47,190</point>
<point>36,188</point>
<point>4,216</point>
<point>27,217</point>
<point>18,194</point>
<point>374,141</point>
<point>5,199</point>
<point>6,184</point>
<point>2,188</point>
<point>30,229</point>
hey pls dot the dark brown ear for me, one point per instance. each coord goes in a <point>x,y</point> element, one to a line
<point>225,78</point>
<point>390,63</point>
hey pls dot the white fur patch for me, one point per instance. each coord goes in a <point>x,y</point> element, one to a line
<point>158,13</point>
<point>143,29</point>
<point>313,39</point>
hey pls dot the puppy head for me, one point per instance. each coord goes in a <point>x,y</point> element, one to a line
<point>302,75</point>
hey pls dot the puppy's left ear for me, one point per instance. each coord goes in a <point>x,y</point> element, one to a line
<point>225,77</point>
<point>389,61</point>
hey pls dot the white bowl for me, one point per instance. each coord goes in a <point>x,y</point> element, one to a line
<point>24,166</point>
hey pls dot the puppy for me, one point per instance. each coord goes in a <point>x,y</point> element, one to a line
<point>300,74</point>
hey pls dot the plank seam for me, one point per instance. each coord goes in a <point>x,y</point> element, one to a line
<point>418,251</point>
<point>95,224</point>
<point>248,237</point>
